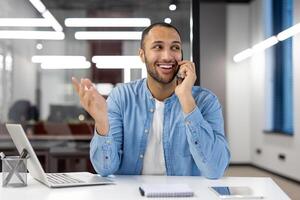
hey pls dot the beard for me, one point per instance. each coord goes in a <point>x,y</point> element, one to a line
<point>155,75</point>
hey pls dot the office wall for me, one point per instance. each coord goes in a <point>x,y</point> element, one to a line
<point>23,70</point>
<point>237,83</point>
<point>246,96</point>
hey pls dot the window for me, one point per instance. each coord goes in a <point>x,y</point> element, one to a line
<point>279,101</point>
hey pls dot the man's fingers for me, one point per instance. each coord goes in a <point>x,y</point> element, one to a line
<point>75,84</point>
<point>88,83</point>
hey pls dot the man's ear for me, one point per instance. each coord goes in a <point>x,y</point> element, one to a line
<point>142,55</point>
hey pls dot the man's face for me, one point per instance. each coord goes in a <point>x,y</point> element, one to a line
<point>161,53</point>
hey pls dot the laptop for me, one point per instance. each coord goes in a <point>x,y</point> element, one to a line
<point>52,180</point>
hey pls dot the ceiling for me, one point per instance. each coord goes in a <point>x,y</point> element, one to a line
<point>120,4</point>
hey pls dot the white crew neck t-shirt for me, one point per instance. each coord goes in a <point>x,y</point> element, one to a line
<point>154,161</point>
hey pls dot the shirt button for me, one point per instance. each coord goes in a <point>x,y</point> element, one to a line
<point>146,130</point>
<point>108,142</point>
<point>187,122</point>
<point>141,156</point>
<point>151,110</point>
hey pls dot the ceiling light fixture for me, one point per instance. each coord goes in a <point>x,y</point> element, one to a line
<point>290,32</point>
<point>107,22</point>
<point>108,35</point>
<point>172,7</point>
<point>24,22</point>
<point>57,59</point>
<point>168,20</point>
<point>261,46</point>
<point>39,46</point>
<point>49,17</point>
<point>36,35</point>
<point>80,65</point>
<point>117,62</point>
<point>121,62</point>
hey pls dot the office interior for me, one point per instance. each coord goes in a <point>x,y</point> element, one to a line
<point>39,95</point>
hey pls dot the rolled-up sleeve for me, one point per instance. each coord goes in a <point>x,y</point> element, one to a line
<point>205,134</point>
<point>106,151</point>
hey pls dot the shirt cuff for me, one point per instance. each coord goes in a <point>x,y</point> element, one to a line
<point>194,115</point>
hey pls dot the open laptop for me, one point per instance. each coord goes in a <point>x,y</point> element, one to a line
<point>53,180</point>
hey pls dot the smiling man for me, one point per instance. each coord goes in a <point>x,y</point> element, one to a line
<point>161,125</point>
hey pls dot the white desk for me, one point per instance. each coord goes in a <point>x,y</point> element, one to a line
<point>127,188</point>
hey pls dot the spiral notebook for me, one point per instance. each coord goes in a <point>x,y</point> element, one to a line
<point>166,190</point>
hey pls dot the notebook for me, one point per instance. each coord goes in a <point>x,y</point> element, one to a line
<point>52,180</point>
<point>166,190</point>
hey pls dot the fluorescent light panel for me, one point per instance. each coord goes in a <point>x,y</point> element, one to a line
<point>265,44</point>
<point>290,32</point>
<point>48,16</point>
<point>24,22</point>
<point>57,59</point>
<point>107,22</point>
<point>121,62</point>
<point>108,35</point>
<point>118,62</point>
<point>82,65</point>
<point>243,55</point>
<point>38,35</point>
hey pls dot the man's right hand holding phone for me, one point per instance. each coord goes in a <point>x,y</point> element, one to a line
<point>94,103</point>
<point>187,80</point>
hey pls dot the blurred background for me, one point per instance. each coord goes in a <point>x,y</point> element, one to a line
<point>242,52</point>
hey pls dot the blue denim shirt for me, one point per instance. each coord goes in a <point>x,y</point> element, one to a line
<point>194,143</point>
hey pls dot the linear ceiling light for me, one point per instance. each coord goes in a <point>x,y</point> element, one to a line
<point>261,46</point>
<point>290,32</point>
<point>265,44</point>
<point>243,55</point>
<point>118,62</point>
<point>24,22</point>
<point>38,5</point>
<point>38,35</point>
<point>79,65</point>
<point>108,35</point>
<point>107,22</point>
<point>121,62</point>
<point>57,59</point>
<point>48,16</point>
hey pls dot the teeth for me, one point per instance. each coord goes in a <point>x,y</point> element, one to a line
<point>165,66</point>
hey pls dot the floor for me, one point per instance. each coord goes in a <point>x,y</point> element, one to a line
<point>292,189</point>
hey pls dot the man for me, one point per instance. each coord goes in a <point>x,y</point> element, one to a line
<point>162,125</point>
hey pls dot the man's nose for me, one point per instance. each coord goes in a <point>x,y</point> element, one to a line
<point>167,55</point>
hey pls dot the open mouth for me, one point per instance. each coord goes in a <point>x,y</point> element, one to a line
<point>166,65</point>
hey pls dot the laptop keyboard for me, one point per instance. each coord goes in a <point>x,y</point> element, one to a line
<point>59,178</point>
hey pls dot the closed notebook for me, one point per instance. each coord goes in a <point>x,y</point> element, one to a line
<point>166,190</point>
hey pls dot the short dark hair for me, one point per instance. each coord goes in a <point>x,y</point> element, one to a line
<point>149,28</point>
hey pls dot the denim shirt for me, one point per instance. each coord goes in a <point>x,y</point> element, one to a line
<point>194,143</point>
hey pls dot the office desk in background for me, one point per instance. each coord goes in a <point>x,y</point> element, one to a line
<point>126,188</point>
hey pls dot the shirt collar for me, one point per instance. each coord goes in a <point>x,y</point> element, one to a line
<point>172,98</point>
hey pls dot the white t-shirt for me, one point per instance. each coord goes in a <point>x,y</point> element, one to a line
<point>154,161</point>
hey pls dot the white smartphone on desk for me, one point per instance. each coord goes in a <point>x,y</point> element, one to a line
<point>236,192</point>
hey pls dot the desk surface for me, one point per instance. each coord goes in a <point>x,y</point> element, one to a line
<point>127,188</point>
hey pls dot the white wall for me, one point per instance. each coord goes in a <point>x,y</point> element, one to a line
<point>238,86</point>
<point>251,99</point>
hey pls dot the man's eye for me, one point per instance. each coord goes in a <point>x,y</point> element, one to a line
<point>176,47</point>
<point>157,47</point>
